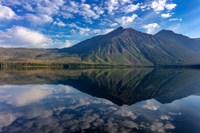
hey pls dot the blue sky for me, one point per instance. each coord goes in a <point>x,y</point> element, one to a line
<point>63,23</point>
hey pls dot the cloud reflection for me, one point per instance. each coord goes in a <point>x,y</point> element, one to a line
<point>6,119</point>
<point>59,108</point>
<point>23,95</point>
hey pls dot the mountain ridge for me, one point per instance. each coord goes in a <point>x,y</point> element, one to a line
<point>129,46</point>
<point>180,39</point>
<point>122,46</point>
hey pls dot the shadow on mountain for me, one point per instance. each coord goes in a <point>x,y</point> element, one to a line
<point>121,86</point>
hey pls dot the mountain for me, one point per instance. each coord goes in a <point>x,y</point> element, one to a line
<point>189,43</point>
<point>131,47</point>
<point>111,48</point>
<point>123,46</point>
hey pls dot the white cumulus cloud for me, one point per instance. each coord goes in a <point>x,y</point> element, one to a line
<point>60,24</point>
<point>166,15</point>
<point>170,6</point>
<point>126,20</point>
<point>131,8</point>
<point>6,13</point>
<point>160,5</point>
<point>113,24</point>
<point>112,5</point>
<point>83,31</point>
<point>123,2</point>
<point>18,36</point>
<point>151,27</point>
<point>39,19</point>
<point>87,12</point>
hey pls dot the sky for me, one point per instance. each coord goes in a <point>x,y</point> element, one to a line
<point>64,23</point>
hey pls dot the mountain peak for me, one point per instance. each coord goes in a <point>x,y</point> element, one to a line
<point>164,31</point>
<point>120,29</point>
<point>169,34</point>
<point>116,32</point>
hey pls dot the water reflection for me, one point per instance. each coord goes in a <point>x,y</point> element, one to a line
<point>140,100</point>
<point>23,95</point>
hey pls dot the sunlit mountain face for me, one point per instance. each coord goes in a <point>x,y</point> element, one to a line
<point>63,23</point>
<point>109,100</point>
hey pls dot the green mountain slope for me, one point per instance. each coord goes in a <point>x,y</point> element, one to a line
<point>128,46</point>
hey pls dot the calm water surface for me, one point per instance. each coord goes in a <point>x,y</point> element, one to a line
<point>121,100</point>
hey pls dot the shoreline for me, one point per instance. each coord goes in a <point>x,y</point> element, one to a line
<point>30,65</point>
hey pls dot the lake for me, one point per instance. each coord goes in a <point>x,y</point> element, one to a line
<point>100,100</point>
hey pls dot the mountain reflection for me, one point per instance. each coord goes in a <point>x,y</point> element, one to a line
<point>53,101</point>
<point>124,86</point>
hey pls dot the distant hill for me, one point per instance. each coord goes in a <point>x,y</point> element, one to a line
<point>35,55</point>
<point>119,47</point>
